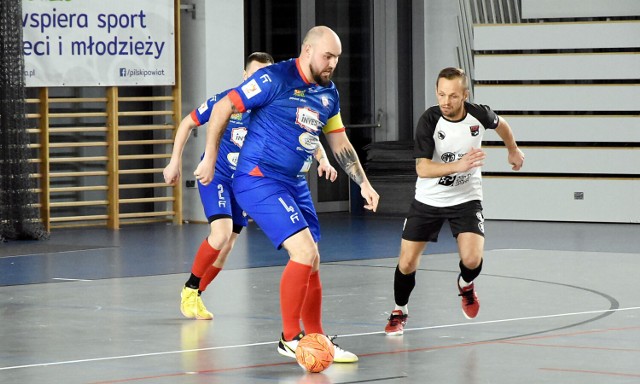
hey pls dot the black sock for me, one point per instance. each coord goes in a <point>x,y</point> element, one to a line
<point>402,286</point>
<point>193,282</point>
<point>469,275</point>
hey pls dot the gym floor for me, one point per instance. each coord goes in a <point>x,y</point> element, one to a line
<point>98,306</point>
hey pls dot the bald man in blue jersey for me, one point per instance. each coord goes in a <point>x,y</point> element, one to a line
<point>223,213</point>
<point>291,103</point>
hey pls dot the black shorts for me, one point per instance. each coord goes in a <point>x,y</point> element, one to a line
<point>423,223</point>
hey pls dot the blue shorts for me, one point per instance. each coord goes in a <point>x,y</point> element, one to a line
<point>219,202</point>
<point>281,209</point>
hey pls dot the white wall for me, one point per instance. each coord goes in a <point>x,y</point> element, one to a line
<point>598,170</point>
<point>212,61</point>
<point>549,9</point>
<point>605,199</point>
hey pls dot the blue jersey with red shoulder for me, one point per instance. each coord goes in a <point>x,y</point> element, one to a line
<point>232,139</point>
<point>287,115</point>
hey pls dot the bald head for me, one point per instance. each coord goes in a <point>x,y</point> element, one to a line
<point>319,33</point>
<point>319,55</point>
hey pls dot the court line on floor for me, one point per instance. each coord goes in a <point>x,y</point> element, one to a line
<point>600,311</point>
<point>397,351</point>
<point>68,279</point>
<point>136,355</point>
<point>515,319</point>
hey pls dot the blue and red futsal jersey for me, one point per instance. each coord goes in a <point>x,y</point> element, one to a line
<point>231,140</point>
<point>287,115</point>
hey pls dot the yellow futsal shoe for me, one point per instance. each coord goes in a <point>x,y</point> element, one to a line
<point>192,306</point>
<point>203,313</point>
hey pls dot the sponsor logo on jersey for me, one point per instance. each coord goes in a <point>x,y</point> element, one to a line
<point>236,117</point>
<point>307,165</point>
<point>308,119</point>
<point>251,89</point>
<point>448,157</point>
<point>454,180</point>
<point>298,93</point>
<point>265,78</point>
<point>203,107</point>
<point>237,136</point>
<point>447,181</point>
<point>462,179</point>
<point>232,158</point>
<point>308,141</point>
<point>475,130</point>
<point>325,101</point>
<point>441,135</point>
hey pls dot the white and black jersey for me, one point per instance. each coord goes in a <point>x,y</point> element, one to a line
<point>445,141</point>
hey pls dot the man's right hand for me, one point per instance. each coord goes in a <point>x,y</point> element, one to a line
<point>204,172</point>
<point>472,159</point>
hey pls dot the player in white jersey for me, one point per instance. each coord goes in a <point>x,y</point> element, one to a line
<point>449,187</point>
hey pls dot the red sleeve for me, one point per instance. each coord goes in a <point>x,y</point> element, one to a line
<point>236,100</point>
<point>194,117</point>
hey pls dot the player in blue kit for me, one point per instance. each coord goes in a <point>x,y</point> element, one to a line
<point>292,102</point>
<point>225,216</point>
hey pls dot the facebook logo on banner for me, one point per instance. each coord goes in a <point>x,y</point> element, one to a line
<point>123,72</point>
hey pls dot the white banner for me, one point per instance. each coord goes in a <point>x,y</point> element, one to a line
<point>98,43</point>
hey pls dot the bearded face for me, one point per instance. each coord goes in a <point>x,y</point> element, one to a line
<point>321,75</point>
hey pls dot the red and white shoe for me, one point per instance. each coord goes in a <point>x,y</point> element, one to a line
<point>470,302</point>
<point>397,321</point>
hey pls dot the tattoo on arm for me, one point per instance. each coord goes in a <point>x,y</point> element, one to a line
<point>348,160</point>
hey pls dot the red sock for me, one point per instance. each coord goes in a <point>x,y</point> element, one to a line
<point>312,307</point>
<point>293,289</point>
<point>205,256</point>
<point>208,277</point>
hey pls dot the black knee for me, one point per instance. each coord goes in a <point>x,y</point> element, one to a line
<point>469,275</point>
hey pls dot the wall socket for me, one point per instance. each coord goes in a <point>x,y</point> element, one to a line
<point>578,195</point>
<point>190,183</point>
